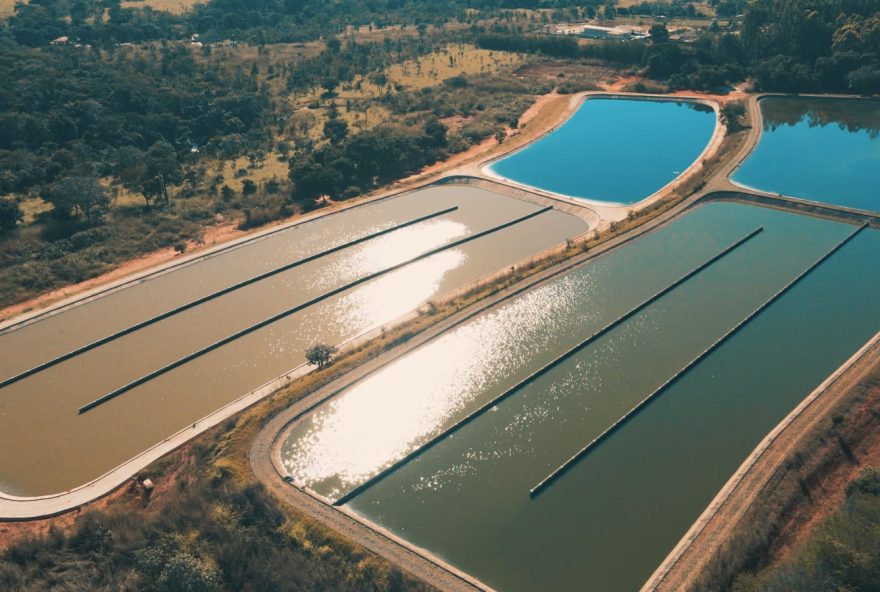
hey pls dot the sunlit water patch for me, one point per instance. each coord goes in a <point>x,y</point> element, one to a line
<point>412,399</point>
<point>387,251</point>
<point>47,447</point>
<point>377,421</point>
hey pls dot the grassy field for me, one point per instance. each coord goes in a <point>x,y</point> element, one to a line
<point>172,6</point>
<point>452,61</point>
<point>7,7</point>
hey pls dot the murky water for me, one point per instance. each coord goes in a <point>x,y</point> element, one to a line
<point>607,523</point>
<point>824,150</point>
<point>45,446</point>
<point>608,150</point>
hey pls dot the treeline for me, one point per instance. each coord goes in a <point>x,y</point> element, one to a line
<point>675,9</point>
<point>138,115</point>
<point>817,45</point>
<point>785,45</point>
<point>708,64</point>
<point>349,165</point>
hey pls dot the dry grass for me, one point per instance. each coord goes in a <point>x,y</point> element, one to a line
<point>357,101</point>
<point>7,7</point>
<point>172,6</point>
<point>561,71</point>
<point>33,207</point>
<point>271,168</point>
<point>453,60</point>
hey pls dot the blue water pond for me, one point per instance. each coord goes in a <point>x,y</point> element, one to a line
<point>618,151</point>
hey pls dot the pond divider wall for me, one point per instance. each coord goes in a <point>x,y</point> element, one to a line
<point>200,352</point>
<point>562,469</point>
<point>801,206</point>
<point>222,292</point>
<point>543,370</point>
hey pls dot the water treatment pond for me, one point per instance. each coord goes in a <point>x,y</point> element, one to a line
<point>825,150</point>
<point>618,151</point>
<point>46,446</point>
<point>608,522</point>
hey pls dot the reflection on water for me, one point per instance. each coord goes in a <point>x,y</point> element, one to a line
<point>384,299</point>
<point>824,150</point>
<point>848,115</point>
<point>387,251</point>
<point>379,420</point>
<point>610,520</point>
<point>421,394</point>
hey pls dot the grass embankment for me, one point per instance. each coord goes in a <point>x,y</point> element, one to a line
<point>808,529</point>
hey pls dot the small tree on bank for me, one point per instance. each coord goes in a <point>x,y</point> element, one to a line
<point>320,355</point>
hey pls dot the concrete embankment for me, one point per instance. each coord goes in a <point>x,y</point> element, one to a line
<point>800,206</point>
<point>562,469</point>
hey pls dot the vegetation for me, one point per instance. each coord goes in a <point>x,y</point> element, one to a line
<point>833,553</point>
<point>209,532</point>
<point>320,355</point>
<point>842,554</point>
<point>113,145</point>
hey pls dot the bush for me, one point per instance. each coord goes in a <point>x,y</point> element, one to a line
<point>10,215</point>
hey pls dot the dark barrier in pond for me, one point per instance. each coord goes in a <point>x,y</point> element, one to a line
<point>212,296</point>
<point>547,481</point>
<point>544,369</point>
<point>297,308</point>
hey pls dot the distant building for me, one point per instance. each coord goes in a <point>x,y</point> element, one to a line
<point>619,33</point>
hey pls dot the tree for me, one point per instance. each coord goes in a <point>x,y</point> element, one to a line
<point>248,187</point>
<point>10,215</point>
<point>158,169</point>
<point>335,130</point>
<point>436,131</point>
<point>730,115</point>
<point>78,195</point>
<point>659,33</point>
<point>320,355</point>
